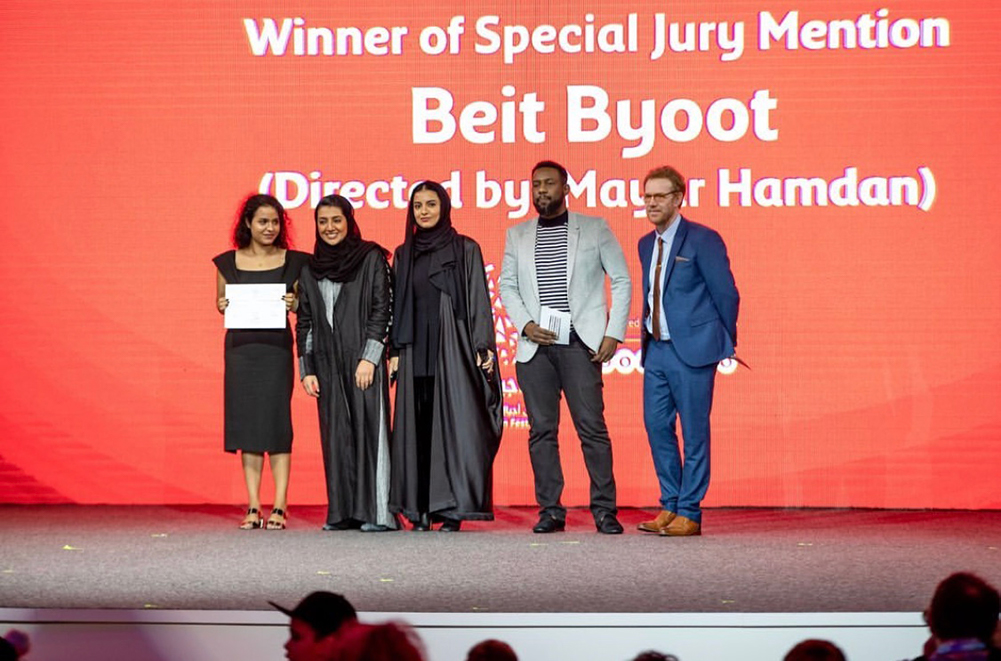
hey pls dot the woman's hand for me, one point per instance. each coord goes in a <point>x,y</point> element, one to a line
<point>394,366</point>
<point>311,385</point>
<point>289,302</point>
<point>221,302</point>
<point>364,375</point>
<point>488,364</point>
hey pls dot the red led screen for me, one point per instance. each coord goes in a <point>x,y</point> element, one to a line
<point>847,154</point>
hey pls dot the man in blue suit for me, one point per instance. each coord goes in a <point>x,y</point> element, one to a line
<point>690,304</point>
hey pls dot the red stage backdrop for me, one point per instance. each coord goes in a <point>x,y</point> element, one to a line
<point>846,151</point>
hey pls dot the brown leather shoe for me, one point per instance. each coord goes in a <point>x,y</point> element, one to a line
<point>682,526</point>
<point>657,525</point>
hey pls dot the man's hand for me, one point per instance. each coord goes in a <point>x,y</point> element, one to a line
<point>606,350</point>
<point>539,335</point>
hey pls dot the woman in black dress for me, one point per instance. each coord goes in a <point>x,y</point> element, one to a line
<point>345,302</point>
<point>259,371</point>
<point>448,418</point>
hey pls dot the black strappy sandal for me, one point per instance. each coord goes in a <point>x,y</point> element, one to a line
<point>252,524</point>
<point>274,524</point>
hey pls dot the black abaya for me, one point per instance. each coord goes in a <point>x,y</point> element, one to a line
<point>468,414</point>
<point>354,423</point>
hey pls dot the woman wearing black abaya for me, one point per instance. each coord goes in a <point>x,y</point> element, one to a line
<point>345,299</point>
<point>448,418</point>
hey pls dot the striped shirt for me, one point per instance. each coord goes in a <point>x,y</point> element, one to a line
<point>551,262</point>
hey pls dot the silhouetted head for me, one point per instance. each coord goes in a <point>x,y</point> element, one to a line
<point>964,606</point>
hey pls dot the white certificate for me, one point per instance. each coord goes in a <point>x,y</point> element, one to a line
<point>556,321</point>
<point>256,306</point>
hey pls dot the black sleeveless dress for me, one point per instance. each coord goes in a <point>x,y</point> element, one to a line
<point>259,368</point>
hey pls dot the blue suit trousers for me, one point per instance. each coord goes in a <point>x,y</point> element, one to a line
<point>672,389</point>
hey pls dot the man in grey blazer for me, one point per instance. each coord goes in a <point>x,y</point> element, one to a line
<point>556,265</point>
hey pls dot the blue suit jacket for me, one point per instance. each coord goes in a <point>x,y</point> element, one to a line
<point>700,298</point>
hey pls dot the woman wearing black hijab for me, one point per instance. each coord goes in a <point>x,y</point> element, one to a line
<point>345,299</point>
<point>448,417</point>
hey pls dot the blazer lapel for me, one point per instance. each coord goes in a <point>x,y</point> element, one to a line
<point>646,245</point>
<point>646,256</point>
<point>573,231</point>
<point>679,238</point>
<point>528,248</point>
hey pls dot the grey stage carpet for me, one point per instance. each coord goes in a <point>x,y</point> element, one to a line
<point>749,560</point>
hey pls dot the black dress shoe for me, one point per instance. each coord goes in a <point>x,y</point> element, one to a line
<point>609,525</point>
<point>346,524</point>
<point>450,525</point>
<point>422,524</point>
<point>548,523</point>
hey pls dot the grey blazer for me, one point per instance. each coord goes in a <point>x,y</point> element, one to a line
<point>592,251</point>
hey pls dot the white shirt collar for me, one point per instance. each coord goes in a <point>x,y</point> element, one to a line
<point>668,234</point>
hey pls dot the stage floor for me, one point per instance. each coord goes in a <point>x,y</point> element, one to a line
<point>747,561</point>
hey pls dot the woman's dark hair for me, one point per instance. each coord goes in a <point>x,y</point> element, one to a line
<point>241,232</point>
<point>339,202</point>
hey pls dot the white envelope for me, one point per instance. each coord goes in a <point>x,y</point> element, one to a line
<point>556,321</point>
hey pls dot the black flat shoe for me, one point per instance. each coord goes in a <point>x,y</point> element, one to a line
<point>346,524</point>
<point>450,525</point>
<point>548,524</point>
<point>422,524</point>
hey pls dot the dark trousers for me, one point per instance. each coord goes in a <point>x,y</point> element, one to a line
<point>672,389</point>
<point>424,421</point>
<point>567,369</point>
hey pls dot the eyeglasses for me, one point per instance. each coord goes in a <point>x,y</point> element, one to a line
<point>658,197</point>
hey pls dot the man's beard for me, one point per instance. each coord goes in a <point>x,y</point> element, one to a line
<point>550,209</point>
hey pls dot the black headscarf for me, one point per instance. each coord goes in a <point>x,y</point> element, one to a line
<point>445,250</point>
<point>340,263</point>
